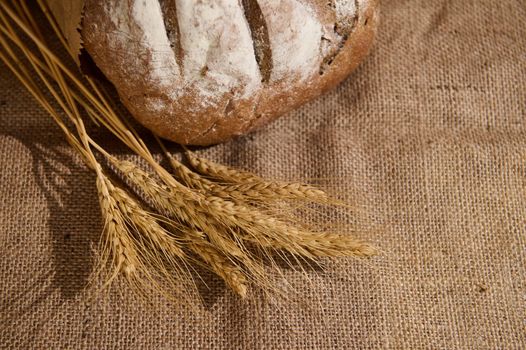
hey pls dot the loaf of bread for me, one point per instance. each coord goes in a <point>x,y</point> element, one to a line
<point>202,71</point>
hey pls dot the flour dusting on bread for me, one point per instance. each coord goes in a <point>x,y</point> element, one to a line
<point>295,37</point>
<point>217,48</point>
<point>202,71</point>
<point>218,51</point>
<point>345,9</point>
<point>149,18</point>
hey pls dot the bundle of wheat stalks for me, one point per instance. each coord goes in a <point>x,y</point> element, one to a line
<point>229,221</point>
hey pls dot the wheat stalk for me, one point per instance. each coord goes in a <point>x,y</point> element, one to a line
<point>186,207</point>
<point>228,220</point>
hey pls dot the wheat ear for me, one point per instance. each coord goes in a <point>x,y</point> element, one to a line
<point>224,217</point>
<point>245,185</point>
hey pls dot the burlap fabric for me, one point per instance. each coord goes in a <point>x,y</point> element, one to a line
<point>428,136</point>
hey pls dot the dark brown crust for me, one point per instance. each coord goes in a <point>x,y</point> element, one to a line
<point>260,37</point>
<point>172,28</point>
<point>232,117</point>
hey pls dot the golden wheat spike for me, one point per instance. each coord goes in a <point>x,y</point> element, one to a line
<point>224,217</point>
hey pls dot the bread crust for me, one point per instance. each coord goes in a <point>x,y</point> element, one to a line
<point>186,117</point>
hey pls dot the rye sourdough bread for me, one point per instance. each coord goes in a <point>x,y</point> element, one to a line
<point>202,71</point>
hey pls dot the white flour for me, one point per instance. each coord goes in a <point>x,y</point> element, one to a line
<point>147,37</point>
<point>345,9</point>
<point>295,38</point>
<point>218,50</point>
<point>149,18</point>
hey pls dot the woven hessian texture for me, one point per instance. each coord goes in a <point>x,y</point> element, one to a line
<point>428,136</point>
